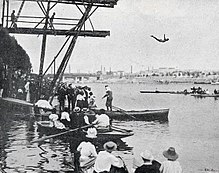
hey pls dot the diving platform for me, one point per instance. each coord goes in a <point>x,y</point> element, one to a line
<point>98,3</point>
<point>61,32</point>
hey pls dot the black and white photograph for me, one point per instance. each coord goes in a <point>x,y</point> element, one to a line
<point>109,86</point>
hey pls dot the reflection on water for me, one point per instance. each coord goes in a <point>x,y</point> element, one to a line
<point>18,155</point>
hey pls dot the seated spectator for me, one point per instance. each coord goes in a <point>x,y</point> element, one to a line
<point>102,120</point>
<point>106,160</point>
<point>171,164</point>
<point>65,118</point>
<point>88,152</point>
<point>149,164</point>
<point>54,118</point>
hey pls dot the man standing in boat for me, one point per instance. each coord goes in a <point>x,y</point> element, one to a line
<point>109,98</point>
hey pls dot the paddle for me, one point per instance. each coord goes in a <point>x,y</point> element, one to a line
<point>123,111</point>
<point>117,128</point>
<point>62,133</point>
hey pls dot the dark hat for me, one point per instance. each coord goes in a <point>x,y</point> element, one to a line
<point>110,146</point>
<point>171,154</point>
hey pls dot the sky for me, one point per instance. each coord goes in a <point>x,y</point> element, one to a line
<point>192,27</point>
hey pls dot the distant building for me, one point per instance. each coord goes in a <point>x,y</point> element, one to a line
<point>77,77</point>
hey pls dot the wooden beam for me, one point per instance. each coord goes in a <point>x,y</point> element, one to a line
<point>60,32</point>
<point>99,3</point>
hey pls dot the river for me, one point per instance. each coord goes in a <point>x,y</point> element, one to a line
<point>193,129</point>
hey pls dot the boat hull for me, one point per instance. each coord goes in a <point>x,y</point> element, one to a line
<point>113,134</point>
<point>205,95</point>
<point>142,115</point>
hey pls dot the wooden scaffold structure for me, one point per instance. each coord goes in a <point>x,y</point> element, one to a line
<point>43,25</point>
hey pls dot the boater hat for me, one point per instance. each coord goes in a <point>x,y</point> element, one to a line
<point>91,133</point>
<point>171,154</point>
<point>110,146</point>
<point>77,109</point>
<point>147,155</point>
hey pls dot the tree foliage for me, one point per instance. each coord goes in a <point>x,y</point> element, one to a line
<point>12,55</point>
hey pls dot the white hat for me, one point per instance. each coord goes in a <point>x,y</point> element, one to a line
<point>147,155</point>
<point>53,117</point>
<point>77,109</point>
<point>91,133</point>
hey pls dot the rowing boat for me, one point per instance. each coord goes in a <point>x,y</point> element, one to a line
<point>164,92</point>
<point>138,115</point>
<point>205,95</point>
<point>45,127</point>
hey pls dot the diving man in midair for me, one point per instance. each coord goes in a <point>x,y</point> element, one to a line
<point>160,40</point>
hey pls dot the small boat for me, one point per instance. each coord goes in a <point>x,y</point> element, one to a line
<point>202,82</point>
<point>139,115</point>
<point>155,92</point>
<point>214,83</point>
<point>205,95</point>
<point>45,127</point>
<point>165,92</point>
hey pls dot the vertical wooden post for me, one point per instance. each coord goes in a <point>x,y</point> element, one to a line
<point>7,13</point>
<point>3,12</point>
<point>43,50</point>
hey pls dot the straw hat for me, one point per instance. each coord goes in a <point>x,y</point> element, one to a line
<point>91,133</point>
<point>147,155</point>
<point>84,109</point>
<point>110,146</point>
<point>171,154</point>
<point>77,109</point>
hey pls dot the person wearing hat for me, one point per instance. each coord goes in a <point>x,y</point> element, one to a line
<point>74,117</point>
<point>89,117</point>
<point>171,165</point>
<point>87,151</point>
<point>105,159</point>
<point>80,99</point>
<point>149,165</point>
<point>65,117</point>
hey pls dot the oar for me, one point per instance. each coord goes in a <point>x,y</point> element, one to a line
<point>62,133</point>
<point>123,111</point>
<point>119,130</point>
<point>114,127</point>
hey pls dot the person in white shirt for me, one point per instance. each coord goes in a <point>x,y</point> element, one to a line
<point>27,90</point>
<point>171,165</point>
<point>102,120</point>
<point>80,99</point>
<point>105,159</point>
<point>88,152</point>
<point>65,117</point>
<point>55,120</point>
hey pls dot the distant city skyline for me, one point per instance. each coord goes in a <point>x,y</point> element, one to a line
<point>192,27</point>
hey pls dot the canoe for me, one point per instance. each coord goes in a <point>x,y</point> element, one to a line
<point>164,92</point>
<point>156,92</point>
<point>139,115</point>
<point>205,95</point>
<point>44,127</point>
